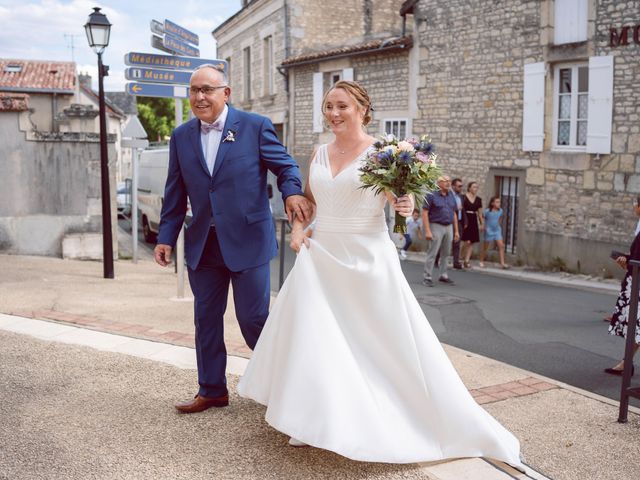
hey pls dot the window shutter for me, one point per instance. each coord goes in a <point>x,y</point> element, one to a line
<point>570,21</point>
<point>600,112</point>
<point>317,102</point>
<point>347,74</point>
<point>533,108</point>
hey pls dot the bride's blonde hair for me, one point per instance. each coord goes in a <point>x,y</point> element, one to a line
<point>359,95</point>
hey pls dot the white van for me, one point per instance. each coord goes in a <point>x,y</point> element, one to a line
<point>152,176</point>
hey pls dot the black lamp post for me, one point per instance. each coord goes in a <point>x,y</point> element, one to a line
<point>98,29</point>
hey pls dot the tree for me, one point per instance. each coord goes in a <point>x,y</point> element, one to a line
<point>157,116</point>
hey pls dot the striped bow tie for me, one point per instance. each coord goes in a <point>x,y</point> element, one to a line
<point>207,127</point>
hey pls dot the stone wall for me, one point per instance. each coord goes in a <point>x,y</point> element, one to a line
<point>317,26</point>
<point>50,188</point>
<point>386,78</point>
<point>574,206</point>
<point>273,106</point>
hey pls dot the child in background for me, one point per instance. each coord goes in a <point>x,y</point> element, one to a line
<point>493,230</point>
<point>414,230</point>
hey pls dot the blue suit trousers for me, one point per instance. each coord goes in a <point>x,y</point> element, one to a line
<point>210,286</point>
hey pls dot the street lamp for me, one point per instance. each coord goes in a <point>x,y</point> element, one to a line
<point>98,29</point>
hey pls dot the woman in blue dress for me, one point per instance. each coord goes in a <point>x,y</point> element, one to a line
<point>493,230</point>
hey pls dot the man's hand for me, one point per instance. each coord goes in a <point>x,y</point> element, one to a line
<point>299,206</point>
<point>162,254</point>
<point>428,235</point>
<point>456,237</point>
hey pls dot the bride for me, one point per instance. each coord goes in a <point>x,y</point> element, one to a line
<point>347,361</point>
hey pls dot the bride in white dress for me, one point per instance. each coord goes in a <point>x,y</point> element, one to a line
<point>347,361</point>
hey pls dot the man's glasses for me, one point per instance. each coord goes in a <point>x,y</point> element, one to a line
<point>194,91</point>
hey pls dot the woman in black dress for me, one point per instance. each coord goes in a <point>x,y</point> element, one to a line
<point>620,317</point>
<point>473,222</point>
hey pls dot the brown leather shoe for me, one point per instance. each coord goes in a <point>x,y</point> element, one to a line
<point>200,404</point>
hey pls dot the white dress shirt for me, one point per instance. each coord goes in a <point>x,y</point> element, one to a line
<point>211,141</point>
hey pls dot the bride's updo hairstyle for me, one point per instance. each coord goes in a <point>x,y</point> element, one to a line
<point>359,95</point>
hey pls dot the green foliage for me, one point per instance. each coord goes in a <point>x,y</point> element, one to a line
<point>157,116</point>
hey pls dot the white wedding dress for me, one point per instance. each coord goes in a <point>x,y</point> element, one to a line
<point>347,361</point>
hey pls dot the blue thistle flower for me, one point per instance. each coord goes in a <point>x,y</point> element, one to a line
<point>404,157</point>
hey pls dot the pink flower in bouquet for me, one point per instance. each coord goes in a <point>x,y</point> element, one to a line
<point>405,146</point>
<point>424,158</point>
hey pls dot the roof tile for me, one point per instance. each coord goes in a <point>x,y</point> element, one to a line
<point>37,75</point>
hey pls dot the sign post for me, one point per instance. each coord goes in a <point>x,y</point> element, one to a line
<point>135,138</point>
<point>180,243</point>
<point>167,76</point>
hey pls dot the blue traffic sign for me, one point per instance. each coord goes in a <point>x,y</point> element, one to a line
<point>157,90</point>
<point>180,32</point>
<point>178,46</point>
<point>138,59</point>
<point>157,75</point>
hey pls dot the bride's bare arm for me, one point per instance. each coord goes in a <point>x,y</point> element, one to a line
<point>298,234</point>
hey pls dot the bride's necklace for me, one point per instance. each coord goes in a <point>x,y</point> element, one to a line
<point>342,151</point>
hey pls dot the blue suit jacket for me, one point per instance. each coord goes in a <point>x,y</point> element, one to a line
<point>235,194</point>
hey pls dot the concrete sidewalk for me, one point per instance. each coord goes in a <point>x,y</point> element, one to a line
<point>565,433</point>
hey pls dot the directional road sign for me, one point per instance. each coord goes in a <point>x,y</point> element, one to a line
<point>158,43</point>
<point>178,46</point>
<point>156,90</point>
<point>157,27</point>
<point>137,59</point>
<point>180,32</point>
<point>157,75</point>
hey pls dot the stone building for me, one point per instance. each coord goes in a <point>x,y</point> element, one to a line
<point>538,102</point>
<point>534,100</point>
<point>283,55</point>
<point>49,160</point>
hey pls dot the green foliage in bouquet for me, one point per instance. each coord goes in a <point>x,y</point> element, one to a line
<point>402,167</point>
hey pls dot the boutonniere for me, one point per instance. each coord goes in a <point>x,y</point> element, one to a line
<point>231,136</point>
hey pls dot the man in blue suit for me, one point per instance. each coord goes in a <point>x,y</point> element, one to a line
<point>219,161</point>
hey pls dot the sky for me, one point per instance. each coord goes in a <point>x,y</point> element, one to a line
<point>45,30</point>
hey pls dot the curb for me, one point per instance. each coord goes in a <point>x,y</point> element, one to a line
<point>564,280</point>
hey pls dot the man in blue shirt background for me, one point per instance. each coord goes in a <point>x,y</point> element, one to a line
<point>440,228</point>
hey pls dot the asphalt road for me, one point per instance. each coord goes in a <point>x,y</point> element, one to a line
<point>547,329</point>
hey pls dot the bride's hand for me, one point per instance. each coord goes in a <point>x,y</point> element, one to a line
<point>298,238</point>
<point>404,205</point>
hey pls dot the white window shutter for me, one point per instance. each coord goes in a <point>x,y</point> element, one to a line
<point>570,21</point>
<point>347,74</point>
<point>533,107</point>
<point>317,102</point>
<point>600,113</point>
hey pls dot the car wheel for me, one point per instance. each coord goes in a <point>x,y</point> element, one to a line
<point>149,236</point>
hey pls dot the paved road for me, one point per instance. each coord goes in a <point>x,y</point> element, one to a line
<point>554,331</point>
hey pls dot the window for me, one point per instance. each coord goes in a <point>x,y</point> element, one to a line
<point>397,127</point>
<point>570,21</point>
<point>246,54</point>
<point>13,68</point>
<point>267,54</point>
<point>228,60</point>
<point>571,106</point>
<point>509,193</point>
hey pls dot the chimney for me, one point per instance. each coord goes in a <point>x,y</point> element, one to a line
<point>84,79</point>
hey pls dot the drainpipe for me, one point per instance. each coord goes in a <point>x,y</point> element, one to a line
<point>285,74</point>
<point>54,109</point>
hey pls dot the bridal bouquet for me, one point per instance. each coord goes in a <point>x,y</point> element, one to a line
<point>402,167</point>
